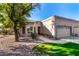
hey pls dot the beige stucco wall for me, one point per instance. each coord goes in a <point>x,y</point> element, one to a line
<point>67,22</point>
<point>26,27</point>
<point>36,25</point>
<point>76,31</point>
<point>48,27</point>
<point>33,25</point>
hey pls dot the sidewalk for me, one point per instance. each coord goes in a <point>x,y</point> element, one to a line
<point>61,41</point>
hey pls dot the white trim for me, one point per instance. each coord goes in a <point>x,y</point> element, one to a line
<point>47,19</point>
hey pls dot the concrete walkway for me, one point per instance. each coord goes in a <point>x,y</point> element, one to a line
<point>61,41</point>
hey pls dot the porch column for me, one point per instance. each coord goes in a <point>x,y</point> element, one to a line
<point>33,29</point>
<point>37,29</point>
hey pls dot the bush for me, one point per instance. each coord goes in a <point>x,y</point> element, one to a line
<point>76,34</point>
<point>34,35</point>
<point>4,31</point>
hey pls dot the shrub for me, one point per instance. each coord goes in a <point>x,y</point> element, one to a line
<point>76,34</point>
<point>34,35</point>
<point>4,31</point>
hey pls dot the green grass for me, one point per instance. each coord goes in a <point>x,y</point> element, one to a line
<point>53,49</point>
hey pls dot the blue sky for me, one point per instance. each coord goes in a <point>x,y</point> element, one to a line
<point>69,10</point>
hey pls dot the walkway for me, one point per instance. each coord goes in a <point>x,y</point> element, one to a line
<point>62,40</point>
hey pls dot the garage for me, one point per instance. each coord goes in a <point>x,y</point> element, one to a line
<point>63,32</point>
<point>76,31</point>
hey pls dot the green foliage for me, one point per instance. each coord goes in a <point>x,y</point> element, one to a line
<point>54,49</point>
<point>34,35</point>
<point>14,15</point>
<point>15,12</point>
<point>7,23</point>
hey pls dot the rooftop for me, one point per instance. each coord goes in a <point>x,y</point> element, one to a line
<point>65,18</point>
<point>60,18</point>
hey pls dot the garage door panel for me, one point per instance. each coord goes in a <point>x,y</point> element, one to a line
<point>63,32</point>
<point>76,31</point>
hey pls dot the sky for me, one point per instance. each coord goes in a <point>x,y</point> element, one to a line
<point>68,10</point>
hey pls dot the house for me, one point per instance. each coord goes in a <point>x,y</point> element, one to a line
<point>33,27</point>
<point>54,26</point>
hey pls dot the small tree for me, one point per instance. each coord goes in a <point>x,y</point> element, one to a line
<point>16,13</point>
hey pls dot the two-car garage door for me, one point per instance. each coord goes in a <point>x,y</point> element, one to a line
<point>76,31</point>
<point>63,32</point>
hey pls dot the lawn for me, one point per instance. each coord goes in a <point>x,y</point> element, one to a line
<point>53,49</point>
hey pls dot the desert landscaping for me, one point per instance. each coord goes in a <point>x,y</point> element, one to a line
<point>8,47</point>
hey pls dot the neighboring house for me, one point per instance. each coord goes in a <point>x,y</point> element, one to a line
<point>54,26</point>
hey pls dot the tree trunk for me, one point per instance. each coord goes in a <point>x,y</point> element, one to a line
<point>23,30</point>
<point>16,32</point>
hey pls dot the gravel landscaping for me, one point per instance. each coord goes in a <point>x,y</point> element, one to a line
<point>8,47</point>
<point>20,50</point>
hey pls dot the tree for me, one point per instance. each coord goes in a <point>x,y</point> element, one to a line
<point>15,14</point>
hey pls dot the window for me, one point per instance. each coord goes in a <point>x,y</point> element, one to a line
<point>29,30</point>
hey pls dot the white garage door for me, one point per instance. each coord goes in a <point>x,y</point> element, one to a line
<point>76,31</point>
<point>63,32</point>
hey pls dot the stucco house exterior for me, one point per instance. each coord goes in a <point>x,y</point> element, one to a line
<point>54,26</point>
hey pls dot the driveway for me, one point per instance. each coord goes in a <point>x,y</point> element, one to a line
<point>62,40</point>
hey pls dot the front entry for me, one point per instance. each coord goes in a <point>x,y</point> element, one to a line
<point>39,30</point>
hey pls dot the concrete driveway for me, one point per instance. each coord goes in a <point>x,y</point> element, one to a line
<point>61,41</point>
